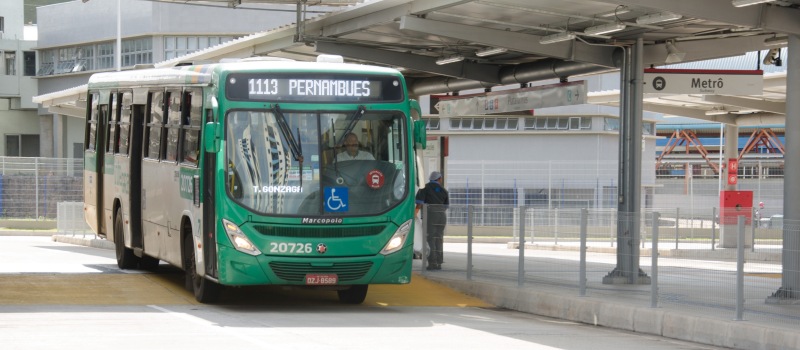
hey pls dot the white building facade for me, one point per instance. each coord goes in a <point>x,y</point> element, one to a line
<point>19,121</point>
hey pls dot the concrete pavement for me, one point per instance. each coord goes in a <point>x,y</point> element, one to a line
<point>611,306</point>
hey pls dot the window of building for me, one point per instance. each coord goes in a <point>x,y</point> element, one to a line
<point>66,60</point>
<point>176,46</point>
<point>611,124</point>
<point>85,58</point>
<point>105,56</point>
<point>2,24</point>
<point>22,145</point>
<point>10,59</point>
<point>47,59</point>
<point>137,51</point>
<point>155,121</point>
<point>431,124</point>
<point>29,58</point>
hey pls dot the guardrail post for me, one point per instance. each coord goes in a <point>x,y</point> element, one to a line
<point>677,225</point>
<point>470,216</point>
<point>654,262</point>
<point>713,227</point>
<point>740,270</point>
<point>36,181</point>
<point>756,222</point>
<point>582,274</point>
<point>521,262</point>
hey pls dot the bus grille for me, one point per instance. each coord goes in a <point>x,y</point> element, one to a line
<point>313,232</point>
<point>296,272</point>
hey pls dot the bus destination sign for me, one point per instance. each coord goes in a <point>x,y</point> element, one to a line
<point>271,87</point>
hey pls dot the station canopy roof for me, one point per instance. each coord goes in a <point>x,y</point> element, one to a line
<point>505,42</point>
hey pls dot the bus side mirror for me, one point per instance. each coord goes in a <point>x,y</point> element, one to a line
<point>420,135</point>
<point>210,137</point>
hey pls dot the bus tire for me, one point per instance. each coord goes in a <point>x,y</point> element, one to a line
<point>125,257</point>
<point>204,290</point>
<point>353,295</point>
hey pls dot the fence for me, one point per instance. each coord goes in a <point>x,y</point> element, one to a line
<point>593,185</point>
<point>31,188</point>
<point>577,249</point>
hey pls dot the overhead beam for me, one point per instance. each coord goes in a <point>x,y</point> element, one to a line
<point>697,50</point>
<point>71,111</point>
<point>466,70</point>
<point>690,113</point>
<point>748,103</point>
<point>569,50</point>
<point>768,17</point>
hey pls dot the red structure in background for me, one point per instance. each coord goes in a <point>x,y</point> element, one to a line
<point>689,139</point>
<point>765,138</point>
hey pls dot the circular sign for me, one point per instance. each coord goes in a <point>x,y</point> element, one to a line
<point>659,83</point>
<point>375,179</point>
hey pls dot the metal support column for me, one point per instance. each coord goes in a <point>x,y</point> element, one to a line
<point>627,270</point>
<point>789,291</point>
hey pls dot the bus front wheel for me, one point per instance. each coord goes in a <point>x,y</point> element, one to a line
<point>205,290</point>
<point>353,295</point>
<point>125,257</point>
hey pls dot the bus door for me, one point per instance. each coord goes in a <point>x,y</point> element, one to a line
<point>92,173</point>
<point>135,184</point>
<point>208,170</point>
<point>101,125</point>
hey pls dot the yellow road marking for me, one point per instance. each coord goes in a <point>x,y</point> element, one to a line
<point>167,289</point>
<point>764,274</point>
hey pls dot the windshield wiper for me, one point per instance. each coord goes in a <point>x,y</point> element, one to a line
<point>295,146</point>
<point>353,120</point>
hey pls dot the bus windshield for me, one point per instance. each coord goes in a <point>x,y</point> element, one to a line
<point>317,163</point>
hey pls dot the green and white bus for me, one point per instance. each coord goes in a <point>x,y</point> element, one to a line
<point>231,171</point>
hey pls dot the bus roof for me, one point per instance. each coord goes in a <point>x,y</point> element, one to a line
<point>201,74</point>
<point>148,77</point>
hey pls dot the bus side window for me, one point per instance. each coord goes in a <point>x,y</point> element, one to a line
<point>124,123</point>
<point>173,124</point>
<point>109,116</point>
<point>91,124</point>
<point>192,115</point>
<point>154,123</point>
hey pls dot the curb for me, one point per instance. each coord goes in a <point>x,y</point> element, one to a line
<point>659,322</point>
<point>88,242</point>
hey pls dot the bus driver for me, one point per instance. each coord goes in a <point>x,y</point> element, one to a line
<point>351,151</point>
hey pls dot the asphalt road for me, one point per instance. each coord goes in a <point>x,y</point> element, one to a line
<point>61,296</point>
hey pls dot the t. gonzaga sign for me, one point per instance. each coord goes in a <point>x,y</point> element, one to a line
<point>703,81</point>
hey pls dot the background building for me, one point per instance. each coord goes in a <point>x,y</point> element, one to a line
<point>77,39</point>
<point>18,117</point>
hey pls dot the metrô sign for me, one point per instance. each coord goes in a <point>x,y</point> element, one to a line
<point>703,81</point>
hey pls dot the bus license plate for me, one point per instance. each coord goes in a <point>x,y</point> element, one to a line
<point>322,278</point>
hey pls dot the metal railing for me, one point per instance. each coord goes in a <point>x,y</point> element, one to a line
<point>738,278</point>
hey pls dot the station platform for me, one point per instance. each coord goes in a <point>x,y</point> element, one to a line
<point>683,316</point>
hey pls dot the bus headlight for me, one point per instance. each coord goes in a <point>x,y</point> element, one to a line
<point>238,239</point>
<point>399,186</point>
<point>398,239</point>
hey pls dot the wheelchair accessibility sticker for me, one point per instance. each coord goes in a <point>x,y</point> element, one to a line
<point>336,199</point>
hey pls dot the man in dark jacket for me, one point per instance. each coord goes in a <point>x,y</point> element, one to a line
<point>437,200</point>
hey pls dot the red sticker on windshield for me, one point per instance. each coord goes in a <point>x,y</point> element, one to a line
<point>375,179</point>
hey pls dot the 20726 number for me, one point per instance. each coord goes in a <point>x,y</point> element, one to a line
<point>291,248</point>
